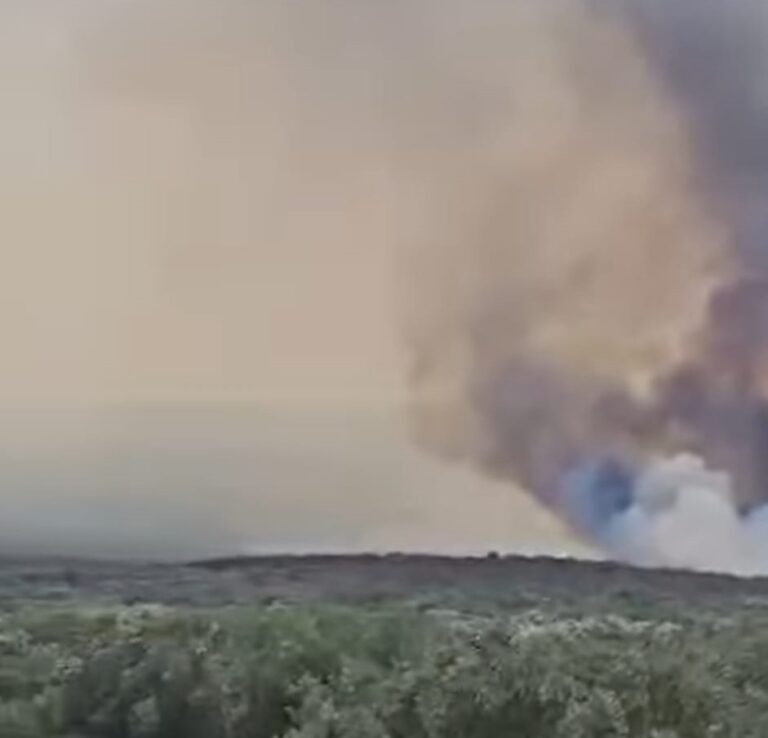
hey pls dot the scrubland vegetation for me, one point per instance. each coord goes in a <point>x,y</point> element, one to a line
<point>385,671</point>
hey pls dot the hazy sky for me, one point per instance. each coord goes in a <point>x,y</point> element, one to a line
<point>202,207</point>
<point>176,224</point>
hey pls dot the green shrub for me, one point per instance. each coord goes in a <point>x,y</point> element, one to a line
<point>346,672</point>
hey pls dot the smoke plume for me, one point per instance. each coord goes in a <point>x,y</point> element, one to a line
<point>200,196</point>
<point>591,317</point>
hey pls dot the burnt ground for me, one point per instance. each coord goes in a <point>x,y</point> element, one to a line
<point>509,582</point>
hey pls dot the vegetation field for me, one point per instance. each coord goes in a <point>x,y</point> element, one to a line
<point>591,651</point>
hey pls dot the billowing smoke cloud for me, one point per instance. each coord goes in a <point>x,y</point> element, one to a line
<point>575,191</point>
<point>713,58</point>
<point>597,297</point>
<point>676,512</point>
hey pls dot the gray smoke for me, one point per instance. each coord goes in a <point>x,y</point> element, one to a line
<point>713,57</point>
<point>574,190</point>
<point>598,297</point>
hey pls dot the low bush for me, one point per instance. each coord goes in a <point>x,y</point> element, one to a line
<point>335,672</point>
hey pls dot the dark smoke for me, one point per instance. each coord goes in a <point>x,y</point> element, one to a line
<point>713,56</point>
<point>607,300</point>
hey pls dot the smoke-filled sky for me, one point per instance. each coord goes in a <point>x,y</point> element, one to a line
<point>202,203</point>
<point>269,265</point>
<point>594,320</point>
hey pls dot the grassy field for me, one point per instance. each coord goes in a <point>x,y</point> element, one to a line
<point>589,652</point>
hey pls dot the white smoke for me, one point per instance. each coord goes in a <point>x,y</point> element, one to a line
<point>683,515</point>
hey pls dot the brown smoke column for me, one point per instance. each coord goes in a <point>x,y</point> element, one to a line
<point>576,190</point>
<point>596,287</point>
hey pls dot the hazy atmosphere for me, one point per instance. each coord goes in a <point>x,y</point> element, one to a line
<point>202,205</point>
<point>352,275</point>
<point>384,368</point>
